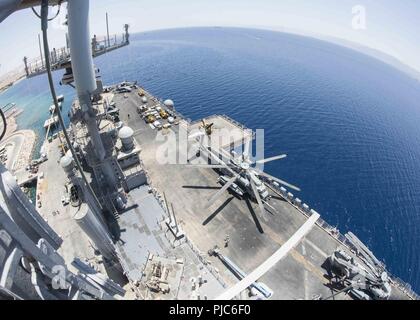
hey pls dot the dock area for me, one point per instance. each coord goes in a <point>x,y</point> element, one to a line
<point>17,152</point>
<point>299,275</point>
<point>50,122</point>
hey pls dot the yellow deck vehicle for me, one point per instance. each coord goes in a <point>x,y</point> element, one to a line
<point>150,118</point>
<point>163,114</point>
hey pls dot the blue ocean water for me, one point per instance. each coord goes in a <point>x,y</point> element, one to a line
<point>349,123</point>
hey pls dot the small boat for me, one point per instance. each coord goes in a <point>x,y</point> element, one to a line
<point>51,122</point>
<point>52,108</point>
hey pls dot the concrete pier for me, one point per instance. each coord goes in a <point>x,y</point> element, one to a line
<point>19,147</point>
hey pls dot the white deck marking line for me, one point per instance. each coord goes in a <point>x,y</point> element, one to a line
<point>271,261</point>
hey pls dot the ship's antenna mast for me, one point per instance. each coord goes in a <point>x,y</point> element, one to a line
<point>86,85</point>
<point>44,27</point>
<point>107,29</point>
<point>40,50</point>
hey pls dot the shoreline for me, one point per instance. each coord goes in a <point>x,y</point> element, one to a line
<point>20,147</point>
<point>7,84</point>
<point>381,56</point>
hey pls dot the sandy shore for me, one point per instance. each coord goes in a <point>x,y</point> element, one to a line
<point>8,81</point>
<point>11,127</point>
<point>19,147</point>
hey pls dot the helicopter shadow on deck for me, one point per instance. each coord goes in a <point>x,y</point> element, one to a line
<point>224,204</point>
<point>254,215</point>
<point>278,198</point>
<point>201,187</point>
<point>217,211</point>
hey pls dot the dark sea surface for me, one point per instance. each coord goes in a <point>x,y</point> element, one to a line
<point>349,123</point>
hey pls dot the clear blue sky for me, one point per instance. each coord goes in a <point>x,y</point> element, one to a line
<point>392,26</point>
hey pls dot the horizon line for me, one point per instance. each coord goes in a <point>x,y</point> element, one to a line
<point>341,42</point>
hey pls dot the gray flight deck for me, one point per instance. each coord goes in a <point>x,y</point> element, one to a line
<point>140,222</point>
<point>253,239</point>
<point>142,234</point>
<point>50,189</point>
<point>139,227</point>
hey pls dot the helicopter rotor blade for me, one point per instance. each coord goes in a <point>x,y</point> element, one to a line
<point>225,153</point>
<point>206,166</point>
<point>247,145</point>
<point>270,206</point>
<point>198,136</point>
<point>218,160</point>
<point>221,191</point>
<point>258,197</point>
<point>291,186</point>
<point>271,159</point>
<point>166,204</point>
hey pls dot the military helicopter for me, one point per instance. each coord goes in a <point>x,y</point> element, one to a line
<point>205,130</point>
<point>242,172</point>
<point>208,127</point>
